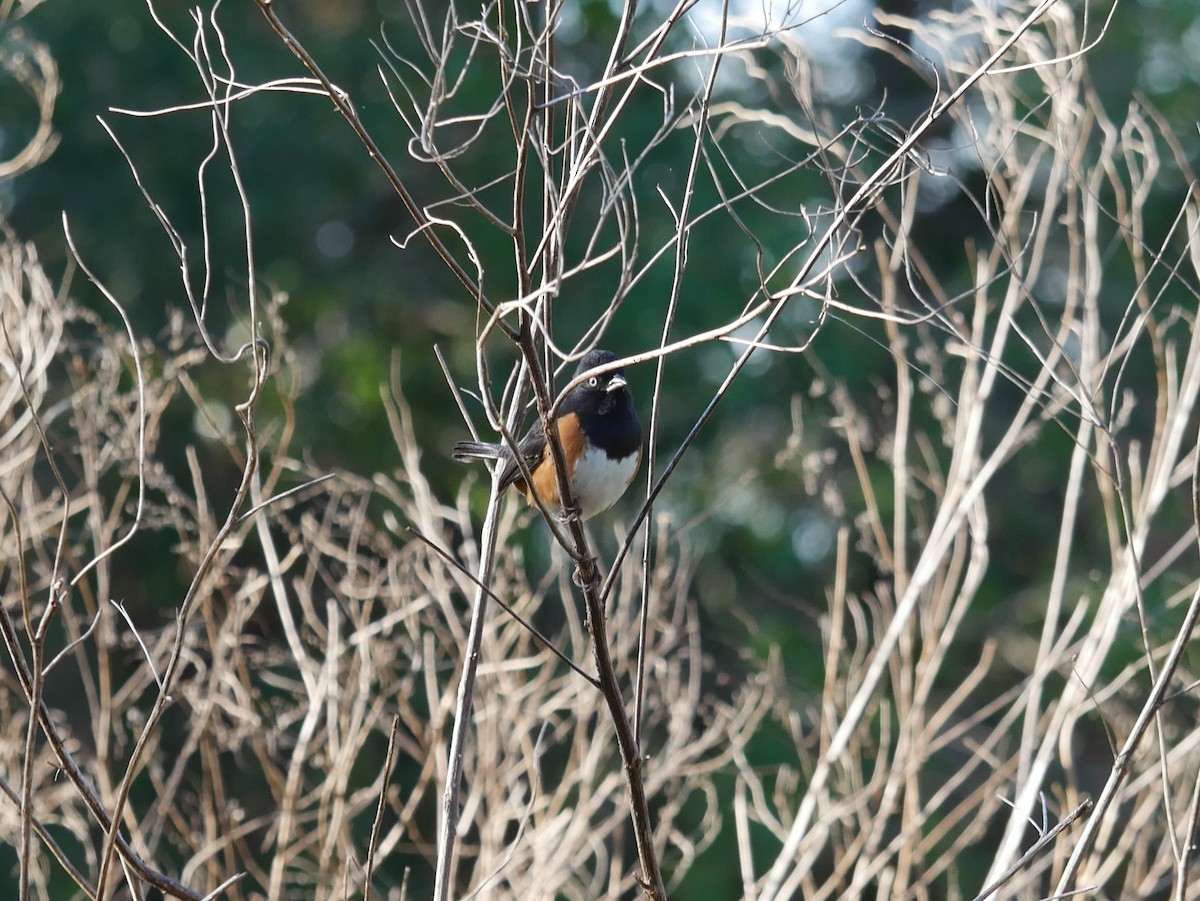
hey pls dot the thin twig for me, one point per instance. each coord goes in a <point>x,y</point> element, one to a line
<point>373,845</point>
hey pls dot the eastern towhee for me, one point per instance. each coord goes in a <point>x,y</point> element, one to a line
<point>601,441</point>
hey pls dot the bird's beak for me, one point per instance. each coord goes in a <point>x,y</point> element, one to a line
<point>617,382</point>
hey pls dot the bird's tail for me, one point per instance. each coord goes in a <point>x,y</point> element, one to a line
<point>474,450</point>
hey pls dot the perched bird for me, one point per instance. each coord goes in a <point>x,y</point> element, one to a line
<point>601,441</point>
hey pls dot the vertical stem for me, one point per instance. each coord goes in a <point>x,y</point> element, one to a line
<point>448,828</point>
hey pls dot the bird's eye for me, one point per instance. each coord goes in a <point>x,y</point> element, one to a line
<point>594,381</point>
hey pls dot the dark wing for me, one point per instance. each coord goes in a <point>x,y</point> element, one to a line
<point>532,448</point>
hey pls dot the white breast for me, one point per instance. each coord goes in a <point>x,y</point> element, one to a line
<point>599,480</point>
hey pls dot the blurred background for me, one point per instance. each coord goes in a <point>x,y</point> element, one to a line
<point>325,219</point>
<point>761,496</point>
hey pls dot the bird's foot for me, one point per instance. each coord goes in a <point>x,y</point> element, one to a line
<point>568,515</point>
<point>593,574</point>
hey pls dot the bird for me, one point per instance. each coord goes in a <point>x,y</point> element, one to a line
<point>601,440</point>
